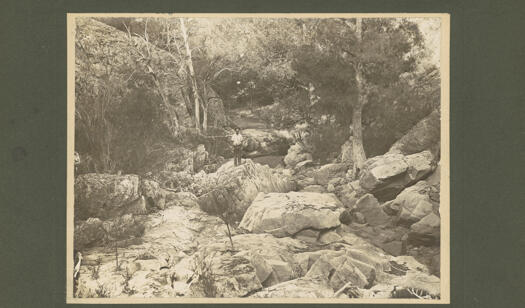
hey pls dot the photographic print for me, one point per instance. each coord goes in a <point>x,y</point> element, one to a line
<point>258,158</point>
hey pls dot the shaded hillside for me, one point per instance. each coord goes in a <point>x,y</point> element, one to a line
<point>128,98</point>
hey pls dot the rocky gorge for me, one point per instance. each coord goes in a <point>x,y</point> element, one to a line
<point>161,210</point>
<point>305,230</point>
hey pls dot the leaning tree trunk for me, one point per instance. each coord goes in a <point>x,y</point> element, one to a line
<point>189,63</point>
<point>357,127</point>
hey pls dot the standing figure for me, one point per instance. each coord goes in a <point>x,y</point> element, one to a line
<point>237,146</point>
<point>77,162</point>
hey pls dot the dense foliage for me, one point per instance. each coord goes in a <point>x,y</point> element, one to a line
<point>145,83</point>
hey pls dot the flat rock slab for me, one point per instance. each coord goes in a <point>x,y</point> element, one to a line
<point>285,214</point>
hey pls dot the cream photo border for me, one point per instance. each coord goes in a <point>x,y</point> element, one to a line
<point>445,163</point>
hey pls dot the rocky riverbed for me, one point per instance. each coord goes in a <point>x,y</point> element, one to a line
<point>330,238</point>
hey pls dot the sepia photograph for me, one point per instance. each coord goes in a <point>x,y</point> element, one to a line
<point>258,158</point>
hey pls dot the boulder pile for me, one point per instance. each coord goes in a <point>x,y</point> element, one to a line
<point>235,187</point>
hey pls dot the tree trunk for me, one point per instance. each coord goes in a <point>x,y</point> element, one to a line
<point>358,150</point>
<point>205,119</point>
<point>116,255</point>
<point>189,63</point>
<point>204,100</point>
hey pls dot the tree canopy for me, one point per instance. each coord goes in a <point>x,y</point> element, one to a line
<point>376,77</point>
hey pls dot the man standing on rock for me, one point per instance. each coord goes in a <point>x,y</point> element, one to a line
<point>237,146</point>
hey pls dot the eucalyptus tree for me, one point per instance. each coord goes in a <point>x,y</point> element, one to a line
<point>351,61</point>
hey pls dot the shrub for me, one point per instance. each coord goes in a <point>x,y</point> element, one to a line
<point>326,140</point>
<point>203,274</point>
<point>102,291</point>
<point>96,269</point>
<point>128,275</point>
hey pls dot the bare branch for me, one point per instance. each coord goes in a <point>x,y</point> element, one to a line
<point>225,69</point>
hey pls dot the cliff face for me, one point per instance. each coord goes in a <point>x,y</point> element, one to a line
<point>107,50</point>
<point>128,95</point>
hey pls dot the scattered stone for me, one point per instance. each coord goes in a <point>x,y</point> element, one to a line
<point>328,172</point>
<point>345,217</point>
<point>372,211</point>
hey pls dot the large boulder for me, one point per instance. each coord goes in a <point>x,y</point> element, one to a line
<point>104,195</point>
<point>296,154</point>
<point>233,188</point>
<point>260,142</point>
<point>386,175</point>
<point>425,135</point>
<point>387,237</point>
<point>426,231</point>
<point>285,214</point>
<point>361,263</point>
<point>414,203</point>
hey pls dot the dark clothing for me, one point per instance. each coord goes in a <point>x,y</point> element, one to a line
<point>237,154</point>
